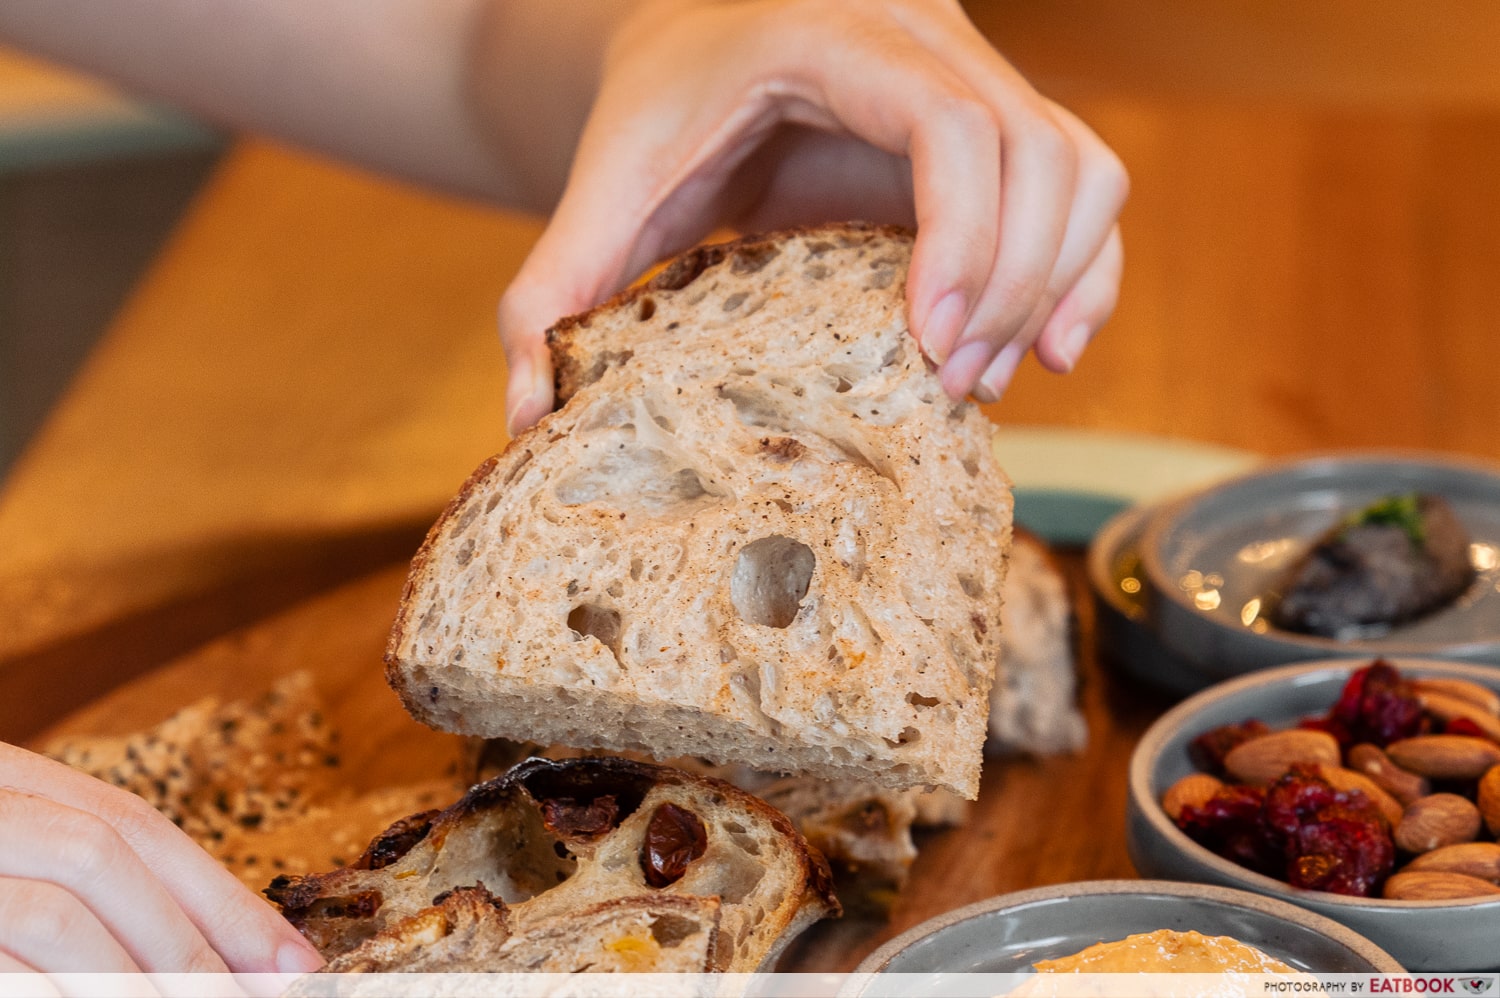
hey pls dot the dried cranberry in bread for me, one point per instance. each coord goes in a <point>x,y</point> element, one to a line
<point>863,831</point>
<point>757,532</point>
<point>566,840</point>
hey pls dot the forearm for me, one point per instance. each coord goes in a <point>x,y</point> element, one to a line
<point>480,97</point>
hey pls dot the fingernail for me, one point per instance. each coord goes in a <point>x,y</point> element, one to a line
<point>960,371</point>
<point>943,325</point>
<point>297,958</point>
<point>525,398</point>
<point>515,413</point>
<point>1074,341</point>
<point>996,377</point>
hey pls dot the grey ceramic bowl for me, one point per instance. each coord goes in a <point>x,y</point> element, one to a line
<point>1211,558</point>
<point>1422,935</point>
<point>1122,624</point>
<point>1007,934</point>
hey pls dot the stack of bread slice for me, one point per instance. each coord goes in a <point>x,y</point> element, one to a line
<point>755,532</point>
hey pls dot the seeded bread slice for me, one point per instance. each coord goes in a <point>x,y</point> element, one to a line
<point>757,532</point>
<point>217,768</point>
<point>555,840</point>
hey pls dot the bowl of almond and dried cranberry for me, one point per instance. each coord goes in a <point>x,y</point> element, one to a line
<point>1368,792</point>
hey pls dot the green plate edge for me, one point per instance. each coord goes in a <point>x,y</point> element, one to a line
<point>1069,482</point>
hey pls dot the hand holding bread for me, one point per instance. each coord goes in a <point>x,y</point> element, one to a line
<point>762,115</point>
<point>92,878</point>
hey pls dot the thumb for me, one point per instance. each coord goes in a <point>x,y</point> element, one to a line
<point>648,179</point>
<point>586,253</point>
<point>527,308</point>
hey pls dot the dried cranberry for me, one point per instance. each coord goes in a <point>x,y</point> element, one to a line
<point>1342,853</point>
<point>390,845</point>
<point>675,837</point>
<point>1301,830</point>
<point>1297,798</point>
<point>1376,705</point>
<point>1333,840</point>
<point>574,819</point>
<point>1231,824</point>
<point>1464,726</point>
<point>1208,750</point>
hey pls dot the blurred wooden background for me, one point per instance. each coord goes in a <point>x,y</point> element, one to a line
<point>1311,242</point>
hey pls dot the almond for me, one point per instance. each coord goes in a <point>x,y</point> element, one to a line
<point>1400,784</point>
<point>1262,760</point>
<point>1425,886</point>
<point>1435,821</point>
<point>1444,757</point>
<point>1194,789</point>
<point>1472,859</point>
<point>1347,779</point>
<point>1448,708</point>
<point>1463,689</point>
<point>1489,799</point>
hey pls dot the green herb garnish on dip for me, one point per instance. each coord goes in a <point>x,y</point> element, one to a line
<point>1397,511</point>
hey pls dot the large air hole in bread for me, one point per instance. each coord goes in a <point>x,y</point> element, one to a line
<point>597,622</point>
<point>770,579</point>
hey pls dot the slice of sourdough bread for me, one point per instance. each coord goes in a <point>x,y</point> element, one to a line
<point>757,532</point>
<point>469,931</point>
<point>864,831</point>
<point>1034,703</point>
<point>574,840</point>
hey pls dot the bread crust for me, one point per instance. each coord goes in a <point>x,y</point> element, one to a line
<point>570,360</point>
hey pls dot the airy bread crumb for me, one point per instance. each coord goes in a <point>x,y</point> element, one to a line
<point>757,532</point>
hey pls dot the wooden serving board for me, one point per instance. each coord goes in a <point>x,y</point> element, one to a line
<point>1037,822</point>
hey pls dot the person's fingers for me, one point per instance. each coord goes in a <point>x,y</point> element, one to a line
<point>245,931</point>
<point>1020,304</point>
<point>1099,194</point>
<point>1086,308</point>
<point>1069,329</point>
<point>528,307</point>
<point>43,926</point>
<point>1086,274</point>
<point>648,182</point>
<point>1036,190</point>
<point>643,142</point>
<point>78,852</point>
<point>1013,197</point>
<point>23,979</point>
<point>917,106</point>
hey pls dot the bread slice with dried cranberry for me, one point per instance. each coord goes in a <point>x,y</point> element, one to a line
<point>756,532</point>
<point>554,841</point>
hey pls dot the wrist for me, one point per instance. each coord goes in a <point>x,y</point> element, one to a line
<point>533,69</point>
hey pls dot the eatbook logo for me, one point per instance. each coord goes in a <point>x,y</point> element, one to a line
<point>1476,985</point>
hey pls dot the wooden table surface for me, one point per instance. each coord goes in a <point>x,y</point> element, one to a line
<point>310,369</point>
